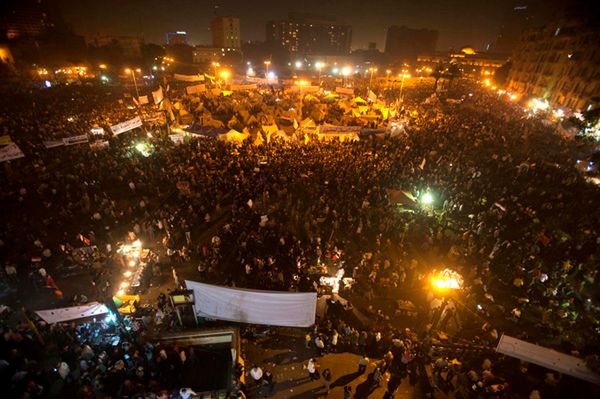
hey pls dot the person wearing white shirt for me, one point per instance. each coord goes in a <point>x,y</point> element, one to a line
<point>313,369</point>
<point>257,374</point>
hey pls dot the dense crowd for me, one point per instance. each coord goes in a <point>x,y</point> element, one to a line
<point>511,214</point>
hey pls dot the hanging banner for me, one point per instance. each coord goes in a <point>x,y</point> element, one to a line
<point>9,152</point>
<point>97,130</point>
<point>92,309</point>
<point>189,78</point>
<point>4,140</point>
<point>344,90</point>
<point>195,89</point>
<point>126,126</point>
<point>176,138</point>
<point>277,308</point>
<point>143,100</point>
<point>83,138</point>
<point>152,117</point>
<point>53,143</point>
<point>158,96</point>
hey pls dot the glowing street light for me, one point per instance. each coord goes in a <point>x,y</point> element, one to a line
<point>267,64</point>
<point>130,71</point>
<point>447,280</point>
<point>298,64</point>
<point>215,66</point>
<point>372,70</point>
<point>102,66</point>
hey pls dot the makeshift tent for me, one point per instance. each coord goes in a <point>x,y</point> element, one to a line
<point>92,309</point>
<point>258,140</point>
<point>233,136</point>
<point>289,309</point>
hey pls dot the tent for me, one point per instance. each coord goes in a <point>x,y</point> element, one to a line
<point>343,133</point>
<point>205,131</point>
<point>233,136</point>
<point>359,100</point>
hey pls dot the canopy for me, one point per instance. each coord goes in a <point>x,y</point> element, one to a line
<point>359,100</point>
<point>59,315</point>
<point>233,136</point>
<point>207,131</point>
<point>277,308</point>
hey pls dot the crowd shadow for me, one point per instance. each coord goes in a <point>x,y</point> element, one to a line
<point>345,379</point>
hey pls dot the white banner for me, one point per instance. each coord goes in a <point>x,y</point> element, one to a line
<point>143,100</point>
<point>243,87</point>
<point>83,138</point>
<point>126,126</point>
<point>289,309</point>
<point>176,138</point>
<point>59,315</point>
<point>97,130</point>
<point>189,78</point>
<point>158,96</point>
<point>9,152</point>
<point>344,90</point>
<point>53,143</point>
<point>195,89</point>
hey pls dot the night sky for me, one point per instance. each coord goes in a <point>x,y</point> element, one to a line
<point>460,22</point>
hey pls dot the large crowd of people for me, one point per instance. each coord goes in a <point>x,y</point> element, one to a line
<point>511,213</point>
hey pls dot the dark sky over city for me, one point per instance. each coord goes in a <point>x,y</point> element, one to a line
<point>460,22</point>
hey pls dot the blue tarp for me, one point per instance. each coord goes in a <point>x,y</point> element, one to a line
<point>208,131</point>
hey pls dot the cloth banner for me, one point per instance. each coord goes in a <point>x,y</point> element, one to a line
<point>9,152</point>
<point>275,308</point>
<point>243,87</point>
<point>143,100</point>
<point>372,96</point>
<point>258,80</point>
<point>59,315</point>
<point>189,78</point>
<point>126,126</point>
<point>53,143</point>
<point>152,117</point>
<point>339,129</point>
<point>97,130</point>
<point>158,96</point>
<point>344,90</point>
<point>4,140</point>
<point>82,138</point>
<point>195,89</point>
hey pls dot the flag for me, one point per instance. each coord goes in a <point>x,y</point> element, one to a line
<point>372,96</point>
<point>295,124</point>
<point>137,104</point>
<point>422,165</point>
<point>4,140</point>
<point>158,95</point>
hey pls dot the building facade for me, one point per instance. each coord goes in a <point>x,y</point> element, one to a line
<point>470,62</point>
<point>178,37</point>
<point>559,63</point>
<point>403,43</point>
<point>226,32</point>
<point>310,35</point>
<point>130,46</point>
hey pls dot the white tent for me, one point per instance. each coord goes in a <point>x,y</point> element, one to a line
<point>59,315</point>
<point>233,136</point>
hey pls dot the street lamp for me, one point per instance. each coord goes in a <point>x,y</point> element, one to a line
<point>137,93</point>
<point>319,65</point>
<point>216,65</point>
<point>345,72</point>
<point>267,63</point>
<point>372,70</point>
<point>224,74</point>
<point>403,75</point>
<point>301,83</point>
<point>387,72</point>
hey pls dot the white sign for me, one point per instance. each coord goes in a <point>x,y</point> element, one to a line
<point>53,143</point>
<point>126,126</point>
<point>243,87</point>
<point>176,138</point>
<point>83,138</point>
<point>277,308</point>
<point>189,78</point>
<point>9,152</point>
<point>143,100</point>
<point>97,130</point>
<point>158,96</point>
<point>195,89</point>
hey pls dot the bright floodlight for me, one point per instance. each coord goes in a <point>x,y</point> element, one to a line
<point>427,198</point>
<point>298,64</point>
<point>448,279</point>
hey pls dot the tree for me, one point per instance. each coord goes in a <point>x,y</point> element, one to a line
<point>437,74</point>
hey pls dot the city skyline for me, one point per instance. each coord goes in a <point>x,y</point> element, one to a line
<point>460,23</point>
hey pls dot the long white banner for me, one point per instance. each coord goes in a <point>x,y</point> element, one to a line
<point>189,78</point>
<point>53,143</point>
<point>275,308</point>
<point>9,152</point>
<point>126,126</point>
<point>344,90</point>
<point>83,138</point>
<point>91,309</point>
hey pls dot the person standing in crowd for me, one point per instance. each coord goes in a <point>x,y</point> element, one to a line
<point>313,369</point>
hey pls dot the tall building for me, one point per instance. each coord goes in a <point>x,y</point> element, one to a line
<point>226,32</point>
<point>27,18</point>
<point>178,37</point>
<point>130,47</point>
<point>559,62</point>
<point>309,34</point>
<point>406,43</point>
